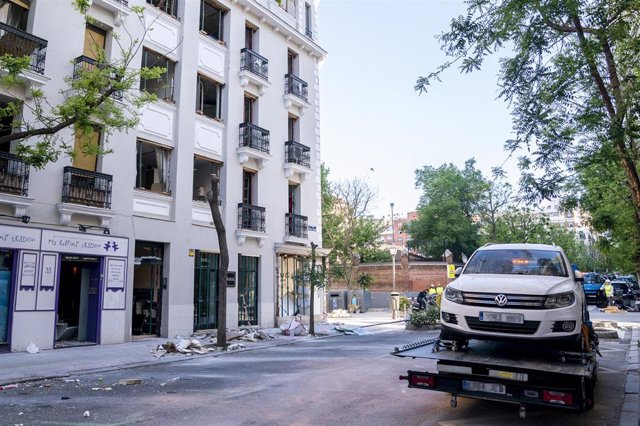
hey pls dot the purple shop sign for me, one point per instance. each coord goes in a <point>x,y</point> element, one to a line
<point>19,238</point>
<point>85,243</point>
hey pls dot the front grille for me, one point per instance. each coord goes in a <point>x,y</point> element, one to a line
<point>520,301</point>
<point>529,327</point>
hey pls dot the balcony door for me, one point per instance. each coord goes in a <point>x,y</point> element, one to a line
<point>14,13</point>
<point>84,149</point>
<point>94,42</point>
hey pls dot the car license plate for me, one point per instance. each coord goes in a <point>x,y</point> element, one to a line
<point>502,317</point>
<point>469,385</point>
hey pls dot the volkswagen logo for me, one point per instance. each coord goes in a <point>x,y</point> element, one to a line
<point>501,300</point>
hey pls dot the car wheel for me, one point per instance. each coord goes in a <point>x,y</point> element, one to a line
<point>602,304</point>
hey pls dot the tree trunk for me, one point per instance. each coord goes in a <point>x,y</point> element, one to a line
<point>312,295</point>
<point>213,198</point>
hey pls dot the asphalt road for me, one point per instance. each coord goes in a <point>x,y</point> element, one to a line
<point>340,380</point>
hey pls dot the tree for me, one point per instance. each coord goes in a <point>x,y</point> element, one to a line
<point>213,198</point>
<point>348,229</point>
<point>450,203</point>
<point>89,101</point>
<point>571,77</point>
<point>498,196</point>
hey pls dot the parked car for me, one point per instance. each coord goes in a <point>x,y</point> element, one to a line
<point>593,285</point>
<point>631,280</point>
<point>515,291</point>
<point>624,296</point>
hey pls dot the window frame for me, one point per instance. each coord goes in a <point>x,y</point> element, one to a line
<point>165,168</point>
<point>200,94</point>
<point>222,13</point>
<point>168,77</point>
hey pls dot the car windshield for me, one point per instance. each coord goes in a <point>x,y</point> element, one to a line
<point>517,261</point>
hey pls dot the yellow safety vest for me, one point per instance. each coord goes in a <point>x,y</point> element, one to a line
<point>432,290</point>
<point>439,290</point>
<point>608,290</point>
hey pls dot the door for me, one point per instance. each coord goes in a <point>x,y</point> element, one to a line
<point>84,159</point>
<point>205,291</point>
<point>6,265</point>
<point>247,290</point>
<point>93,303</point>
<point>94,42</point>
<point>148,284</point>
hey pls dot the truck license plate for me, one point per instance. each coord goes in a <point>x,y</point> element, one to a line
<point>469,385</point>
<point>502,317</point>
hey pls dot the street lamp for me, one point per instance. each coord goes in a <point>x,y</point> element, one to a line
<point>393,250</point>
<point>393,228</point>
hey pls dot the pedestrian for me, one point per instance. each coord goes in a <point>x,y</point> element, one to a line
<point>432,289</point>
<point>439,289</point>
<point>608,291</point>
<point>422,299</point>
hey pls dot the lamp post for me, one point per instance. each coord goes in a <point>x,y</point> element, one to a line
<point>393,228</point>
<point>395,299</point>
<point>393,250</point>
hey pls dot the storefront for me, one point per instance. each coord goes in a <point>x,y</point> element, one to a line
<point>65,288</point>
<point>205,290</point>
<point>147,289</point>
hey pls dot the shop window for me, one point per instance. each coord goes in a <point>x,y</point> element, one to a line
<point>212,16</point>
<point>152,164</point>
<point>209,98</point>
<point>202,171</point>
<point>162,87</point>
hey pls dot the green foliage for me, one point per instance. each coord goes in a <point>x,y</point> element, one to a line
<point>375,255</point>
<point>428,316</point>
<point>569,71</point>
<point>365,281</point>
<point>450,200</point>
<point>405,303</point>
<point>90,102</point>
<point>347,227</point>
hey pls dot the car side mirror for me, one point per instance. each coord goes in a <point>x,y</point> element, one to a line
<point>458,271</point>
<point>578,276</point>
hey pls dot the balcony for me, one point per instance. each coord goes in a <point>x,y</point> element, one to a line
<point>251,223</point>
<point>308,33</point>
<point>18,43</point>
<point>253,69</point>
<point>296,93</point>
<point>86,64</point>
<point>85,192</point>
<point>254,144</point>
<point>297,159</point>
<point>14,183</point>
<point>295,227</point>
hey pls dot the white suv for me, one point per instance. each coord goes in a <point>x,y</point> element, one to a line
<point>521,291</point>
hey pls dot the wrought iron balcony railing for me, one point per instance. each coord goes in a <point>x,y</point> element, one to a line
<point>295,152</point>
<point>254,137</point>
<point>86,64</point>
<point>14,175</point>
<point>251,217</point>
<point>308,32</point>
<point>251,61</point>
<point>123,2</point>
<point>167,6</point>
<point>296,86</point>
<point>295,225</point>
<point>18,43</point>
<point>85,187</point>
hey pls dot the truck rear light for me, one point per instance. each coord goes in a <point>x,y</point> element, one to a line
<point>560,398</point>
<point>425,381</point>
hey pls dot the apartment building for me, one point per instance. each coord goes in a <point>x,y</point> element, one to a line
<point>99,250</point>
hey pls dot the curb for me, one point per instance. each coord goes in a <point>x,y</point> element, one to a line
<point>630,413</point>
<point>180,359</point>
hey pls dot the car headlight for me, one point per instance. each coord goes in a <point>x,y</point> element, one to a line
<point>560,300</point>
<point>453,295</point>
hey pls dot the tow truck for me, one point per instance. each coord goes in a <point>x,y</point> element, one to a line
<point>524,374</point>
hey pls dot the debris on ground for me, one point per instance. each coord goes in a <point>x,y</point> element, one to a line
<point>72,380</point>
<point>294,327</point>
<point>339,313</point>
<point>32,348</point>
<point>130,381</point>
<point>104,389</point>
<point>169,381</point>
<point>87,414</point>
<point>358,331</point>
<point>7,387</point>
<point>235,346</point>
<point>612,310</point>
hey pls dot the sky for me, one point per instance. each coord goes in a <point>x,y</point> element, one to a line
<point>374,126</point>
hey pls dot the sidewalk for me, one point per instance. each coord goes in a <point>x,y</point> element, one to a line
<point>18,367</point>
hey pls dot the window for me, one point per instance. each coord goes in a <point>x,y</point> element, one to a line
<point>152,166</point>
<point>249,35</point>
<point>292,62</point>
<point>517,261</point>
<point>14,13</point>
<point>161,87</point>
<point>308,22</point>
<point>212,19</point>
<point>294,195</point>
<point>292,126</point>
<point>94,43</point>
<point>167,6</point>
<point>85,149</point>
<point>290,6</point>
<point>202,171</point>
<point>247,186</point>
<point>249,113</point>
<point>209,98</point>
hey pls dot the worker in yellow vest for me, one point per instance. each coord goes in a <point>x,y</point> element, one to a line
<point>608,291</point>
<point>439,289</point>
<point>432,289</point>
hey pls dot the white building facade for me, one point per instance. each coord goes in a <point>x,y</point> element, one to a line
<point>123,245</point>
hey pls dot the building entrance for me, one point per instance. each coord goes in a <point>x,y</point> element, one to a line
<point>6,266</point>
<point>147,289</point>
<point>78,307</point>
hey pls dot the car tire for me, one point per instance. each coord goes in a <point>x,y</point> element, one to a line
<point>602,304</point>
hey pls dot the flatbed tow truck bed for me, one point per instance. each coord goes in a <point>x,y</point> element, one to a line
<point>523,374</point>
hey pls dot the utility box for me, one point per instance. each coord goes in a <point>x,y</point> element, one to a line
<point>336,300</point>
